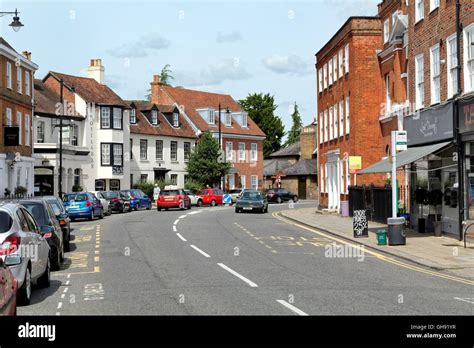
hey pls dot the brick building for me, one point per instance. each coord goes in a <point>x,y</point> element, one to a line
<point>242,139</point>
<point>349,93</point>
<point>16,107</point>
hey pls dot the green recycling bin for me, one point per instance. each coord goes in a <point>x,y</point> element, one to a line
<point>381,237</point>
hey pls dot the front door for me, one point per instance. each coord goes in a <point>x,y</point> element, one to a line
<point>302,187</point>
<point>333,189</point>
<point>44,181</point>
<point>159,175</point>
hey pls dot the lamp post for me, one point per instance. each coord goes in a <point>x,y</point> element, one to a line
<point>60,191</point>
<point>15,24</point>
<point>220,132</point>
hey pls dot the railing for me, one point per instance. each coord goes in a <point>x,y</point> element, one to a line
<point>12,197</point>
<point>377,201</point>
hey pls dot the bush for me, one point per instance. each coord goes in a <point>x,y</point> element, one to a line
<point>193,186</point>
<point>21,190</point>
<point>77,188</point>
<point>146,187</point>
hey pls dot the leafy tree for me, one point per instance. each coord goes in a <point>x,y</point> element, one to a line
<point>261,110</point>
<point>294,133</point>
<point>206,164</point>
<point>165,78</point>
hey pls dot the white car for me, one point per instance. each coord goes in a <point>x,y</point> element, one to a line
<point>105,203</point>
<point>195,200</point>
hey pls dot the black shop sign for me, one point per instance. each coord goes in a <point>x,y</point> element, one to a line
<point>11,136</point>
<point>466,115</point>
<point>360,224</point>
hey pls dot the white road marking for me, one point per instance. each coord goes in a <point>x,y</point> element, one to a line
<point>69,275</point>
<point>67,282</point>
<point>200,251</point>
<point>65,290</point>
<point>60,304</point>
<point>194,212</point>
<point>467,299</point>
<point>62,295</point>
<point>57,313</point>
<point>176,221</point>
<point>174,228</point>
<point>249,282</point>
<point>290,306</point>
<point>182,217</point>
<point>181,237</point>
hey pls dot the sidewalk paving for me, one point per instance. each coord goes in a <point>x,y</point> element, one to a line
<point>441,253</point>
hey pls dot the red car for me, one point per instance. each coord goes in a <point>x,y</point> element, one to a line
<point>8,289</point>
<point>211,196</point>
<point>173,199</point>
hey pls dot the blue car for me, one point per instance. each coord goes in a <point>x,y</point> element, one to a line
<point>83,205</point>
<point>138,199</point>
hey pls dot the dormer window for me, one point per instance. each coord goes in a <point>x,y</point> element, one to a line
<point>244,119</point>
<point>133,116</point>
<point>228,119</point>
<point>154,117</point>
<point>175,119</point>
<point>212,117</point>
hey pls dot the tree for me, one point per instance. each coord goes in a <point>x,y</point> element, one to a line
<point>261,110</point>
<point>165,78</point>
<point>294,133</point>
<point>206,164</point>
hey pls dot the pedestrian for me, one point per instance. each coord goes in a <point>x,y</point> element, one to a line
<point>156,192</point>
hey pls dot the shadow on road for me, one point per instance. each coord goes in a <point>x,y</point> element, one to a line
<point>40,294</point>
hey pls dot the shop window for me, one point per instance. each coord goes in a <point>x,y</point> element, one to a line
<point>114,185</point>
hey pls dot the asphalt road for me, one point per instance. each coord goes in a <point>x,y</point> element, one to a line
<point>211,261</point>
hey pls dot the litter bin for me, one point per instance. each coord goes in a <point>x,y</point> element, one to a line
<point>396,231</point>
<point>345,208</point>
<point>381,237</point>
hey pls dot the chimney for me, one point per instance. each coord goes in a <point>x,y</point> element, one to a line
<point>156,93</point>
<point>96,71</point>
<point>307,141</point>
<point>26,54</point>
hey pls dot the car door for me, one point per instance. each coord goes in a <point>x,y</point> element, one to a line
<point>55,223</point>
<point>3,286</point>
<point>32,242</point>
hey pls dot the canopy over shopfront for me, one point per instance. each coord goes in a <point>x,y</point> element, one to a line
<point>403,158</point>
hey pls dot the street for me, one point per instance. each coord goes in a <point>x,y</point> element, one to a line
<point>212,261</point>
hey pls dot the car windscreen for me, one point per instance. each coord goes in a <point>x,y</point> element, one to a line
<point>6,222</point>
<point>252,196</point>
<point>271,191</point>
<point>38,212</point>
<point>169,193</point>
<point>110,194</point>
<point>125,194</point>
<point>77,197</point>
<point>235,191</point>
<point>56,208</point>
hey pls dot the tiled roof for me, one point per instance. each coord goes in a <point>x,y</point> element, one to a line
<point>164,128</point>
<point>46,101</point>
<point>272,166</point>
<point>303,167</point>
<point>290,150</point>
<point>90,90</point>
<point>192,100</point>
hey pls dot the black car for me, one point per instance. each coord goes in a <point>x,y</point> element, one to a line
<point>116,201</point>
<point>252,201</point>
<point>127,200</point>
<point>42,212</point>
<point>62,217</point>
<point>281,195</point>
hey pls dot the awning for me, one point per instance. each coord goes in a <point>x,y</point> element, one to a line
<point>161,169</point>
<point>403,158</point>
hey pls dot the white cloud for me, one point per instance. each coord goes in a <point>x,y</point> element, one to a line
<point>228,69</point>
<point>228,37</point>
<point>291,64</point>
<point>347,8</point>
<point>141,47</point>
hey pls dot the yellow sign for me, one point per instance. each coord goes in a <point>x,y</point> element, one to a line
<point>355,164</point>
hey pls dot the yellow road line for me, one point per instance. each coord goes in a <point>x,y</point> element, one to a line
<point>378,255</point>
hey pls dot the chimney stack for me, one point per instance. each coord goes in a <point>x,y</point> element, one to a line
<point>96,71</point>
<point>156,90</point>
<point>27,55</point>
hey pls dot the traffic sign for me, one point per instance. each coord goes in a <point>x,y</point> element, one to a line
<point>401,140</point>
<point>227,199</point>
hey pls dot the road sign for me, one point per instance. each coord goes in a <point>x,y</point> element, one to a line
<point>227,199</point>
<point>401,140</point>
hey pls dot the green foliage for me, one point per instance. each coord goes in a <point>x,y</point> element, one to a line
<point>146,187</point>
<point>193,186</point>
<point>165,76</point>
<point>206,164</point>
<point>260,109</point>
<point>294,133</point>
<point>21,190</point>
<point>77,188</point>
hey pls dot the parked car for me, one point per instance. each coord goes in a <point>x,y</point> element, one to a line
<point>281,195</point>
<point>127,200</point>
<point>83,205</point>
<point>235,194</point>
<point>211,196</point>
<point>18,231</point>
<point>44,216</point>
<point>252,201</point>
<point>8,289</point>
<point>116,201</point>
<point>62,217</point>
<point>139,200</point>
<point>195,200</point>
<point>103,201</point>
<point>173,199</point>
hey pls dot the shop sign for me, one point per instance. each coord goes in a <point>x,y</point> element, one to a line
<point>466,115</point>
<point>11,136</point>
<point>430,125</point>
<point>355,164</point>
<point>400,140</point>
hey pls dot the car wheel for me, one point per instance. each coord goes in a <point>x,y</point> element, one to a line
<point>295,199</point>
<point>24,293</point>
<point>101,216</point>
<point>199,203</point>
<point>266,209</point>
<point>56,260</point>
<point>73,219</point>
<point>122,209</point>
<point>166,209</point>
<point>213,203</point>
<point>149,206</point>
<point>67,245</point>
<point>237,210</point>
<point>279,200</point>
<point>109,211</point>
<point>92,215</point>
<point>45,280</point>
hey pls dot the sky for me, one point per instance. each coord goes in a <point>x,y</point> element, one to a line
<point>232,47</point>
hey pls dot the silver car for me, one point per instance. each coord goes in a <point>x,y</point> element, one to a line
<point>195,200</point>
<point>24,249</point>
<point>103,201</point>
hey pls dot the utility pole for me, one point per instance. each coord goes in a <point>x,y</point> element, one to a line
<point>60,191</point>
<point>220,141</point>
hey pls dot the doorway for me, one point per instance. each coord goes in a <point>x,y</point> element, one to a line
<point>302,187</point>
<point>44,181</point>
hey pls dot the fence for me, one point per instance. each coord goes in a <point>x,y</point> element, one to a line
<point>377,201</point>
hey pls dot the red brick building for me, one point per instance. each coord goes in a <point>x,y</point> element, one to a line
<point>242,139</point>
<point>349,93</point>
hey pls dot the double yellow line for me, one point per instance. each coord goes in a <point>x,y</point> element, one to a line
<point>376,254</point>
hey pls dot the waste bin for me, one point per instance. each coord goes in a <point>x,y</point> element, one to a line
<point>396,231</point>
<point>345,208</point>
<point>381,237</point>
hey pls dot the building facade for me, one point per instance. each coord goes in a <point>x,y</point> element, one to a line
<point>241,139</point>
<point>161,141</point>
<point>16,105</point>
<point>348,107</point>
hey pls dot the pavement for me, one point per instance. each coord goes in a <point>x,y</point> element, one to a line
<point>444,253</point>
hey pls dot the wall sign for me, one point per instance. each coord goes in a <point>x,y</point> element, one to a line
<point>11,136</point>
<point>466,115</point>
<point>360,224</point>
<point>355,164</point>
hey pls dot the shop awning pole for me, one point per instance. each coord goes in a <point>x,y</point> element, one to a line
<point>394,174</point>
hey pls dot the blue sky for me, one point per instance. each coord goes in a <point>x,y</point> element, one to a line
<point>237,47</point>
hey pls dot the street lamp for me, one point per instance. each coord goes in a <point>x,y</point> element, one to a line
<point>15,24</point>
<point>220,132</point>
